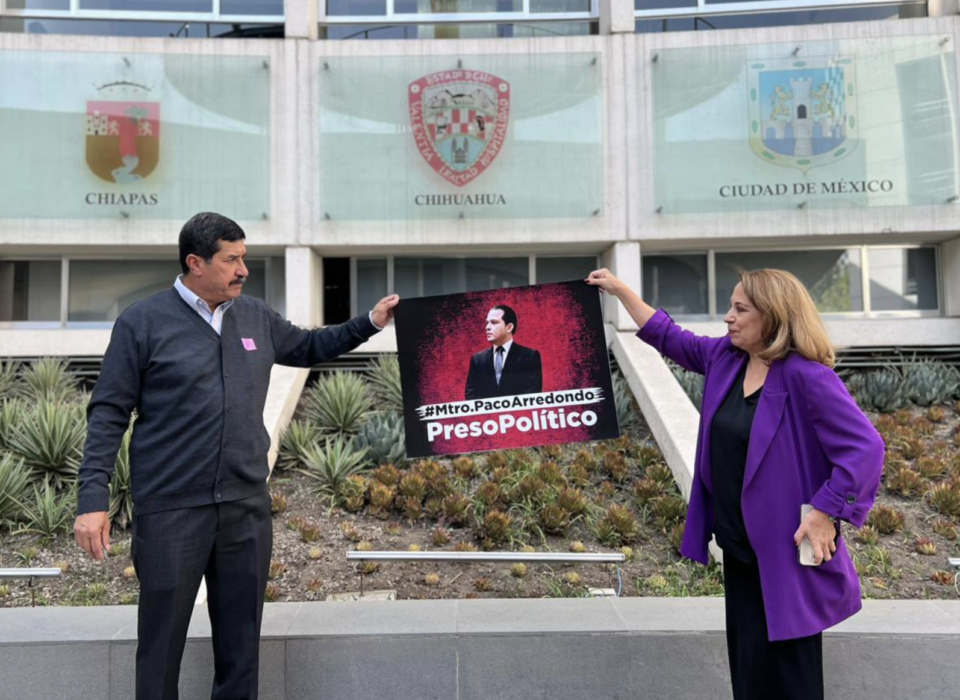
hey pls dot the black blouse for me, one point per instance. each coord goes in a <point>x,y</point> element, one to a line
<point>729,439</point>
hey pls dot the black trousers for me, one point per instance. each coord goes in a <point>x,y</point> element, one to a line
<point>760,669</point>
<point>230,544</point>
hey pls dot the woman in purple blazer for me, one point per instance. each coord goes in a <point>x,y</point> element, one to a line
<point>778,429</point>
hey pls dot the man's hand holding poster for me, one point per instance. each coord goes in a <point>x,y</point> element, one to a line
<point>502,369</point>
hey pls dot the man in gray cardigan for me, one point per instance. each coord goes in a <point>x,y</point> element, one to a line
<point>194,363</point>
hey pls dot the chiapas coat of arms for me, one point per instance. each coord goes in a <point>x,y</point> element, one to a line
<point>123,133</point>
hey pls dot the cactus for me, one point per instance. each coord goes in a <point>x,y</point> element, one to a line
<point>572,500</point>
<point>928,382</point>
<point>519,570</point>
<point>617,527</point>
<point>881,390</point>
<point>885,519</point>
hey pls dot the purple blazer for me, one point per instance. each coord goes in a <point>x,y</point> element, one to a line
<point>810,443</point>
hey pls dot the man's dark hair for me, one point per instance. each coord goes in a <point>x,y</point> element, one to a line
<point>509,315</point>
<point>201,236</point>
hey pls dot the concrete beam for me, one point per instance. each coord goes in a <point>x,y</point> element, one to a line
<point>616,17</point>
<point>303,18</point>
<point>623,260</point>
<point>950,265</point>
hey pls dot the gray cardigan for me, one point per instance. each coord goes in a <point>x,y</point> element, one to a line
<point>199,437</point>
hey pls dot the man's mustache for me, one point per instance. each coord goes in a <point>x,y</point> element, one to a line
<point>239,280</point>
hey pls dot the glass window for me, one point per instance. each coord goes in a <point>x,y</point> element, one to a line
<point>676,283</point>
<point>455,6</point>
<point>831,276</point>
<point>149,5</point>
<point>256,284</point>
<point>29,291</point>
<point>101,289</point>
<point>565,269</point>
<point>418,277</point>
<point>349,8</point>
<point>38,4</point>
<point>251,7</point>
<point>559,6</point>
<point>371,283</point>
<point>903,279</point>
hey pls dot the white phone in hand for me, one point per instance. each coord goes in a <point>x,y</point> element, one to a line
<point>806,549</point>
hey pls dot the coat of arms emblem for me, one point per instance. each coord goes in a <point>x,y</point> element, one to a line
<point>459,121</point>
<point>803,114</point>
<point>123,133</point>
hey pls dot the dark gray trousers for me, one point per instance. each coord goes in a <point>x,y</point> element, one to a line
<point>229,543</point>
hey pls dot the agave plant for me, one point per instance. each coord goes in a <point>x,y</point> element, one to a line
<point>47,380</point>
<point>11,413</point>
<point>121,495</point>
<point>338,403</point>
<point>8,377</point>
<point>331,464</point>
<point>385,377</point>
<point>49,513</point>
<point>295,441</point>
<point>928,382</point>
<point>626,413</point>
<point>383,437</point>
<point>50,440</point>
<point>691,382</point>
<point>881,390</point>
<point>14,478</point>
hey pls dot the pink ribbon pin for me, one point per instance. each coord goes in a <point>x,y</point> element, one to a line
<point>248,344</point>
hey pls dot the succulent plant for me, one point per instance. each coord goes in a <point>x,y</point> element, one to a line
<point>381,499</point>
<point>439,537</point>
<point>315,553</point>
<point>387,474</point>
<point>530,488</point>
<point>353,493</point>
<point>649,454</point>
<point>617,527</point>
<point>129,573</point>
<point>50,440</point>
<point>627,553</point>
<point>519,570</point>
<point>364,546</point>
<point>296,523</point>
<point>885,520</point>
<point>315,585</point>
<point>394,529</point>
<point>880,390</point>
<point>46,381</point>
<point>945,499</point>
<point>668,509</point>
<point>577,547</point>
<point>432,579</point>
<point>869,535</point>
<point>14,479</point>
<point>936,414</point>
<point>412,507</point>
<point>9,372</point>
<point>572,500</point>
<point>572,578</point>
<point>925,546</point>
<point>498,527</point>
<point>384,377</point>
<point>278,503</point>
<point>296,439</point>
<point>351,533</point>
<point>911,447</point>
<point>615,464</point>
<point>931,467</point>
<point>465,547</point>
<point>552,452</point>
<point>606,490</point>
<point>660,472</point>
<point>905,481</point>
<point>944,578</point>
<point>276,569</point>
<point>456,508</point>
<point>645,490</point>
<point>551,474</point>
<point>383,437</point>
<point>465,467</point>
<point>554,519</point>
<point>12,411</point>
<point>495,460</point>
<point>48,513</point>
<point>368,567</point>
<point>945,529</point>
<point>483,584</point>
<point>413,486</point>
<point>928,382</point>
<point>585,459</point>
<point>309,532</point>
<point>338,403</point>
<point>676,536</point>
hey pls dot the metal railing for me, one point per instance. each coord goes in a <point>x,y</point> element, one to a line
<point>524,15</point>
<point>31,575</point>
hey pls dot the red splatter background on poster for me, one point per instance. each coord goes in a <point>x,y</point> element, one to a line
<point>437,336</point>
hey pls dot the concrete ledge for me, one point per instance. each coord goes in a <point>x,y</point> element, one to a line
<point>634,648</point>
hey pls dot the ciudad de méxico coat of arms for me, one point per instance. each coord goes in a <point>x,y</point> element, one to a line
<point>459,121</point>
<point>803,113</point>
<point>123,133</point>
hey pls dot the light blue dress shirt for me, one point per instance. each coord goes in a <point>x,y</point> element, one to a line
<point>214,318</point>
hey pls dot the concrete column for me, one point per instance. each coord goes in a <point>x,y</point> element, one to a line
<point>616,17</point>
<point>951,277</point>
<point>303,18</point>
<point>304,287</point>
<point>942,8</point>
<point>623,260</point>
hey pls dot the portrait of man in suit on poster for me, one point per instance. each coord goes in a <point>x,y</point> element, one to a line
<point>506,368</point>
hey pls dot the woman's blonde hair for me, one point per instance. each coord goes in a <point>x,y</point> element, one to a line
<point>790,318</point>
